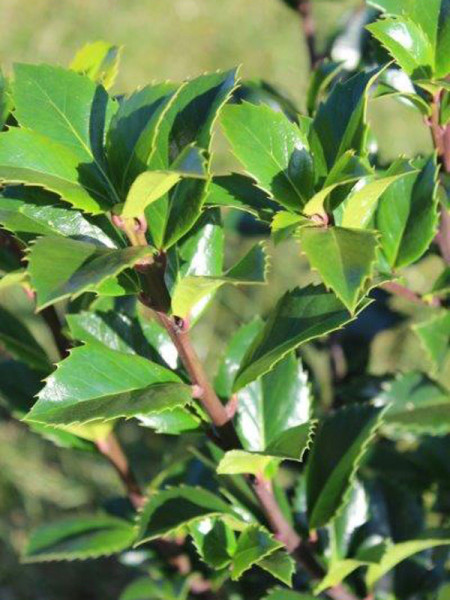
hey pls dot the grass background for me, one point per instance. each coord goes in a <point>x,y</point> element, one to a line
<point>162,39</point>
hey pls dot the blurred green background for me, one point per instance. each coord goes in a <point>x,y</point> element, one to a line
<point>163,39</point>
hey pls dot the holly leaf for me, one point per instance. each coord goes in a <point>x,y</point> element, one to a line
<point>215,542</point>
<point>345,259</point>
<point>340,444</point>
<point>19,342</point>
<point>407,216</point>
<point>189,119</point>
<point>434,335</point>
<point>29,212</point>
<point>151,185</point>
<point>407,43</point>
<point>190,290</point>
<point>99,61</point>
<point>98,384</point>
<point>273,150</point>
<point>417,404</point>
<point>397,553</point>
<point>70,110</point>
<point>280,565</point>
<point>168,510</point>
<point>171,422</point>
<point>340,122</point>
<point>79,267</point>
<point>79,538</point>
<point>254,544</point>
<point>33,159</point>
<point>240,193</point>
<point>301,315</point>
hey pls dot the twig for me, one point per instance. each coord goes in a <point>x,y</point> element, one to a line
<point>304,8</point>
<point>400,290</point>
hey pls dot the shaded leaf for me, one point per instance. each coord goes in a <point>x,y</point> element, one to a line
<point>434,335</point>
<point>254,544</point>
<point>340,444</point>
<point>280,565</point>
<point>215,542</point>
<point>79,538</point>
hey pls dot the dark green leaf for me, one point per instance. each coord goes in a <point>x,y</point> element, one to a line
<point>300,315</point>
<point>254,544</point>
<point>168,510</point>
<point>434,335</point>
<point>340,444</point>
<point>79,538</point>
<point>215,542</point>
<point>63,268</point>
<point>280,565</point>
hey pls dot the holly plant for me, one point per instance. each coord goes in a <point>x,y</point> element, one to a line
<point>316,459</point>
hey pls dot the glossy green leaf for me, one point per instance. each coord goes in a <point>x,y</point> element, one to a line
<point>70,110</point>
<point>345,259</point>
<point>171,422</point>
<point>151,185</point>
<point>407,43</point>
<point>300,316</point>
<point>407,216</point>
<point>198,254</point>
<point>241,193</point>
<point>34,159</point>
<point>79,538</point>
<point>273,150</point>
<point>215,542</point>
<point>79,267</point>
<point>254,544</point>
<point>280,565</point>
<point>236,349</point>
<point>434,335</point>
<point>190,290</point>
<point>29,211</point>
<point>168,510</point>
<point>189,119</point>
<point>339,446</point>
<point>354,514</point>
<point>399,552</point>
<point>416,404</point>
<point>340,122</point>
<point>131,136</point>
<point>98,384</point>
<point>99,61</point>
<point>20,343</point>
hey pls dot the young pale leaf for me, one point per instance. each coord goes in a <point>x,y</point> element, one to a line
<point>98,384</point>
<point>254,544</point>
<point>407,216</point>
<point>19,342</point>
<point>241,193</point>
<point>340,122</point>
<point>29,211</point>
<point>434,336</point>
<point>416,404</point>
<point>190,290</point>
<point>131,136</point>
<point>151,185</point>
<point>344,258</point>
<point>34,159</point>
<point>340,445</point>
<point>62,268</point>
<point>236,462</point>
<point>99,61</point>
<point>79,538</point>
<point>168,510</point>
<point>215,542</point>
<point>280,565</point>
<point>68,108</point>
<point>189,119</point>
<point>396,553</point>
<point>407,43</point>
<point>273,150</point>
<point>300,316</point>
